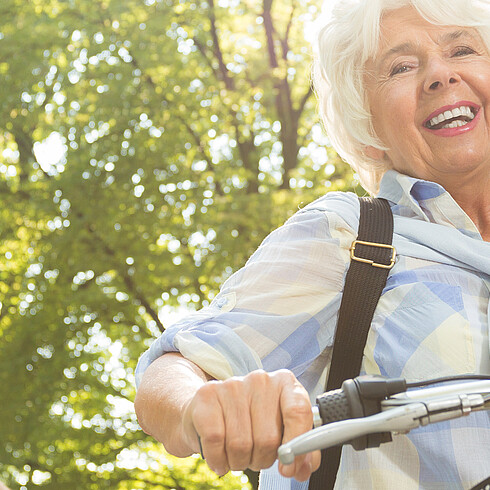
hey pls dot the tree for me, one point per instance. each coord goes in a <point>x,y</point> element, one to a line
<point>147,148</point>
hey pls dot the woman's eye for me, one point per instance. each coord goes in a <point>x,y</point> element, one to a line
<point>400,69</point>
<point>463,51</point>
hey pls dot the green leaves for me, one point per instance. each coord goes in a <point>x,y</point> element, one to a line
<point>146,149</point>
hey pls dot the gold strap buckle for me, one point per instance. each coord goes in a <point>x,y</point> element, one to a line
<point>371,262</point>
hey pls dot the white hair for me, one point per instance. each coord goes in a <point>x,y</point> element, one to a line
<point>348,38</point>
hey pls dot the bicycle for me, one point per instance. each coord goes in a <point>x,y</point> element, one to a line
<point>366,410</point>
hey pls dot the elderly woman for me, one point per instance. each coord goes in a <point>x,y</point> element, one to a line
<point>404,88</point>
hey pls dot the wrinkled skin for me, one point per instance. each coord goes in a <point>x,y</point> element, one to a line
<point>240,422</point>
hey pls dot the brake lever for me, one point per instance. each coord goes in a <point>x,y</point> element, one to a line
<point>401,419</point>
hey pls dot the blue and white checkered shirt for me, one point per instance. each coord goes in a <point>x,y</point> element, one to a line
<point>280,311</point>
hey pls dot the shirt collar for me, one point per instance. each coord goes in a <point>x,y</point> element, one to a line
<point>424,200</point>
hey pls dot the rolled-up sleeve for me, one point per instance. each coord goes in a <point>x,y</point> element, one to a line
<point>280,309</point>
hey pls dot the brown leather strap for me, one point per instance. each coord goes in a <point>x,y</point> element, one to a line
<point>364,283</point>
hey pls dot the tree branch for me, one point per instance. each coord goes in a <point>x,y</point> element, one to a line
<point>128,281</point>
<point>285,41</point>
<point>284,106</point>
<point>229,84</point>
<point>204,54</point>
<point>200,145</point>
<point>25,145</point>
<point>269,32</point>
<point>304,100</point>
<point>139,296</point>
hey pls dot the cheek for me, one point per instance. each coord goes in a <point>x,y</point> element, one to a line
<point>396,116</point>
<point>400,104</point>
<point>389,126</point>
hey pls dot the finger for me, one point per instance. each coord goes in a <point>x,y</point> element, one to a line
<point>235,402</point>
<point>297,419</point>
<point>310,464</point>
<point>266,424</point>
<point>316,459</point>
<point>208,421</point>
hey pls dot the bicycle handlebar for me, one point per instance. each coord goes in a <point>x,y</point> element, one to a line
<point>374,405</point>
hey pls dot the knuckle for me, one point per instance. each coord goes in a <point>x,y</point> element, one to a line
<point>265,450</point>
<point>258,374</point>
<point>212,437</point>
<point>264,462</point>
<point>207,391</point>
<point>268,443</point>
<point>259,377</point>
<point>231,386</point>
<point>302,410</point>
<point>285,375</point>
<point>239,447</point>
<point>299,409</point>
<point>260,383</point>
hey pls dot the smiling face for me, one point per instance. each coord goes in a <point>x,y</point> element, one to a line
<point>429,95</point>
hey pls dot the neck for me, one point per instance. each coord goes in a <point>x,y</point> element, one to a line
<point>475,201</point>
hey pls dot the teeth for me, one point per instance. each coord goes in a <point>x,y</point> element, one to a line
<point>448,115</point>
<point>455,124</point>
<point>439,119</point>
<point>459,111</point>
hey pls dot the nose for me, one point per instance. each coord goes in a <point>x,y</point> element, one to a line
<point>440,75</point>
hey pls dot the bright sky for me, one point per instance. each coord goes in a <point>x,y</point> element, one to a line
<point>50,152</point>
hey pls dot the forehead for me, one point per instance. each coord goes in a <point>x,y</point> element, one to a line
<point>404,31</point>
<point>406,25</point>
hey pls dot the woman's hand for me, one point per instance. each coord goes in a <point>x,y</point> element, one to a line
<point>242,421</point>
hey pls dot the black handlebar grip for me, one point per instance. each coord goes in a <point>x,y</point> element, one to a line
<point>333,406</point>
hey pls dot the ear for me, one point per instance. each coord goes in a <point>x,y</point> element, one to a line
<point>374,153</point>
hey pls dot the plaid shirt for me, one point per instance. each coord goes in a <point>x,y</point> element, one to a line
<point>280,311</point>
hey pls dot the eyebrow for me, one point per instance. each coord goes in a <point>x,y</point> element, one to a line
<point>455,35</point>
<point>410,46</point>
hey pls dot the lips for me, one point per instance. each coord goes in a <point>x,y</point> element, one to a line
<point>459,115</point>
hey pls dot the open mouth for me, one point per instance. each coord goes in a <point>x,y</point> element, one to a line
<point>454,118</point>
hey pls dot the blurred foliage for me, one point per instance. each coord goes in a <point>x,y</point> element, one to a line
<point>146,148</point>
